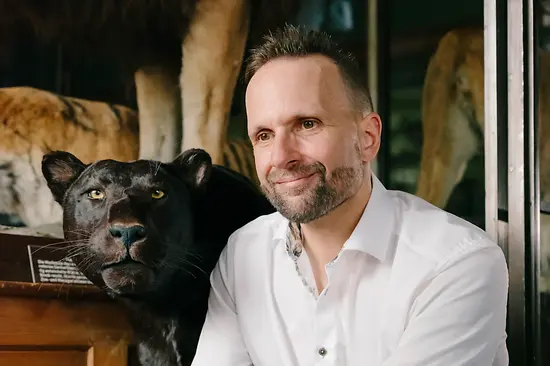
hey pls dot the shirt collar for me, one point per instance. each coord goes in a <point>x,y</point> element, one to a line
<point>374,230</point>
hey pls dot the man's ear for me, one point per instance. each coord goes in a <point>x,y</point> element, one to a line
<point>194,166</point>
<point>61,168</point>
<point>370,132</point>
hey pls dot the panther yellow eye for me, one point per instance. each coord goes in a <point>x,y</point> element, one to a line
<point>157,194</point>
<point>96,194</point>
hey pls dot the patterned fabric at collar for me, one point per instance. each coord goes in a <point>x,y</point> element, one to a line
<point>294,243</point>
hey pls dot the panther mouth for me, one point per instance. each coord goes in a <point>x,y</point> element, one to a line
<point>128,277</point>
<point>127,260</point>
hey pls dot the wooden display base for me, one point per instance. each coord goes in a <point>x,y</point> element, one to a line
<point>51,315</point>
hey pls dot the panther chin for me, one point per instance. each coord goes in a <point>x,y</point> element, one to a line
<point>128,278</point>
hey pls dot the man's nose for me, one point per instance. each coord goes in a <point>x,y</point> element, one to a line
<point>284,152</point>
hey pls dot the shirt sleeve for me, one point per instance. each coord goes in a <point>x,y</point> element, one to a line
<point>460,316</point>
<point>221,342</point>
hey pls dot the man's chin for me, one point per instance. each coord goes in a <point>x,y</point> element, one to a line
<point>128,278</point>
<point>295,211</point>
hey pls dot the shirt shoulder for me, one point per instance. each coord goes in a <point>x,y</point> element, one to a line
<point>257,235</point>
<point>437,235</point>
<point>265,225</point>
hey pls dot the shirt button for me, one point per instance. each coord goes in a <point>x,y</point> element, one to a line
<point>322,351</point>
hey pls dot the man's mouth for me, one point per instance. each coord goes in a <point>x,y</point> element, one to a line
<point>290,180</point>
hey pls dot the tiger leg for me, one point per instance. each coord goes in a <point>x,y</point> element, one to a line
<point>451,108</point>
<point>158,99</point>
<point>212,57</point>
<point>443,162</point>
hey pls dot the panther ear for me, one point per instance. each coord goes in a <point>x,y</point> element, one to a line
<point>61,168</point>
<point>195,166</point>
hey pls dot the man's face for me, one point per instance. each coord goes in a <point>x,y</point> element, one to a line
<point>311,147</point>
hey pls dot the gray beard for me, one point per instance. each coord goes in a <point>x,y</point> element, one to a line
<point>323,198</point>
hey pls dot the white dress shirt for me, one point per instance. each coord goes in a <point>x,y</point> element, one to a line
<point>413,285</point>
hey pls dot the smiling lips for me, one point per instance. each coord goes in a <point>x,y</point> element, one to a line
<point>291,181</point>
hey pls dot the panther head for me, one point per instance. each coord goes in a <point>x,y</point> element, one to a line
<point>129,225</point>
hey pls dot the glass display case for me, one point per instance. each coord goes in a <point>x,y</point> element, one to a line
<point>468,107</point>
<point>516,138</point>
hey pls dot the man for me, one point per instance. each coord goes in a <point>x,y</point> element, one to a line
<point>346,272</point>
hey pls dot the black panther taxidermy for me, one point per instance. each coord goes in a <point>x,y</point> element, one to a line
<point>149,234</point>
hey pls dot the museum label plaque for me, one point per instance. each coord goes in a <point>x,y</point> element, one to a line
<point>37,260</point>
<point>51,265</point>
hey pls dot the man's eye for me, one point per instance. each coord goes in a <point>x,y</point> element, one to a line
<point>308,123</point>
<point>263,136</point>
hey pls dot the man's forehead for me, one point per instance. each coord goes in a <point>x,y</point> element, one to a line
<point>288,88</point>
<point>293,70</point>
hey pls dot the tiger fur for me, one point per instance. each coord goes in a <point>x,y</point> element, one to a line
<point>453,123</point>
<point>184,55</point>
<point>34,122</point>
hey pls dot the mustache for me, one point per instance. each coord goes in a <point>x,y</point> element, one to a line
<point>295,171</point>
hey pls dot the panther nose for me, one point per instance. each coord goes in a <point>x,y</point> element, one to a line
<point>128,234</point>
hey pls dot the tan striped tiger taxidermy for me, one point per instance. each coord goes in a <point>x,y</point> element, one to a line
<point>184,56</point>
<point>34,122</point>
<point>453,123</point>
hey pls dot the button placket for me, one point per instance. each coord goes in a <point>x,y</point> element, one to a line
<point>324,328</point>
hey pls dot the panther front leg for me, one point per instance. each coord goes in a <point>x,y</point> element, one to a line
<point>159,107</point>
<point>212,57</point>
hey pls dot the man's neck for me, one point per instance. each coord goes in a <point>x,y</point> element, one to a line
<point>325,237</point>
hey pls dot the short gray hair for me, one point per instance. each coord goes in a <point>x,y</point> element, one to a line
<point>297,41</point>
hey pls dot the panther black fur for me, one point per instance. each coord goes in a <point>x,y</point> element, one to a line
<point>149,234</point>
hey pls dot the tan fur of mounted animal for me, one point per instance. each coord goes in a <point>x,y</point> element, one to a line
<point>34,122</point>
<point>453,123</point>
<point>185,55</point>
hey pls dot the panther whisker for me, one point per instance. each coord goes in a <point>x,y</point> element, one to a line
<point>157,168</point>
<point>195,266</point>
<point>86,264</point>
<point>195,255</point>
<point>182,264</point>
<point>56,246</point>
<point>74,254</point>
<point>184,269</point>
